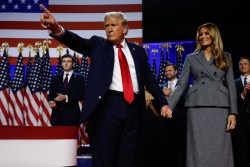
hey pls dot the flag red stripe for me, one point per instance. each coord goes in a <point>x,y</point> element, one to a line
<point>27,120</point>
<point>11,105</point>
<point>46,110</point>
<point>68,25</point>
<point>30,109</point>
<point>3,109</point>
<point>95,8</point>
<point>18,108</point>
<point>45,115</point>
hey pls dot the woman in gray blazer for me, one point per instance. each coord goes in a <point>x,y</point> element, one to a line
<point>211,101</point>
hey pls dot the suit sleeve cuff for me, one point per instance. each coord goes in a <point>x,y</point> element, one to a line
<point>67,99</point>
<point>61,33</point>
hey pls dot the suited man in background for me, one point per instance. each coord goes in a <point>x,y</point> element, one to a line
<point>114,96</point>
<point>241,134</point>
<point>66,90</point>
<point>172,148</point>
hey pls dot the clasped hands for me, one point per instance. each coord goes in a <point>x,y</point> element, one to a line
<point>167,91</point>
<point>59,97</point>
<point>246,89</point>
<point>166,111</point>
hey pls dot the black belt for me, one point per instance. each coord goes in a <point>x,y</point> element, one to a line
<point>118,93</point>
<point>114,92</point>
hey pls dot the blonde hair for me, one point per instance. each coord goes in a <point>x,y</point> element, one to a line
<point>118,15</point>
<point>221,59</point>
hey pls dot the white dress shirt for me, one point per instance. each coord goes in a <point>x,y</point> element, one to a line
<point>116,83</point>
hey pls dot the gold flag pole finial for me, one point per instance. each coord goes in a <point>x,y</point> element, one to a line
<point>167,45</point>
<point>45,46</point>
<point>20,47</point>
<point>29,46</point>
<point>154,51</point>
<point>46,42</point>
<point>179,49</point>
<point>38,44</point>
<point>146,47</point>
<point>5,46</point>
<point>135,42</point>
<point>59,49</point>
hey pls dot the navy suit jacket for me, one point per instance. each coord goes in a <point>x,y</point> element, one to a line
<point>243,118</point>
<point>67,113</point>
<point>101,53</point>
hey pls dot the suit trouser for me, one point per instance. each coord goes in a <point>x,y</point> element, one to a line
<point>115,132</point>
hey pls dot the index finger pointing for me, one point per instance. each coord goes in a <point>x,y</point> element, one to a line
<point>44,9</point>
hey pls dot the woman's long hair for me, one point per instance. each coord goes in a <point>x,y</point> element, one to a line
<point>221,59</point>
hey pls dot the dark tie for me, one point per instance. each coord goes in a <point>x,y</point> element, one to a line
<point>126,78</point>
<point>66,81</point>
<point>245,81</point>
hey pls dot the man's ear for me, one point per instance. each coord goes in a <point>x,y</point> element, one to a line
<point>125,29</point>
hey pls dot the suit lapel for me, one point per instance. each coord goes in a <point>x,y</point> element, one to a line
<point>239,83</point>
<point>110,55</point>
<point>60,81</point>
<point>133,52</point>
<point>72,78</point>
<point>206,64</point>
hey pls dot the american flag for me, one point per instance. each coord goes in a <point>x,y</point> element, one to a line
<point>28,69</point>
<point>161,76</point>
<point>4,89</point>
<point>59,68</point>
<point>32,97</point>
<point>153,68</point>
<point>17,92</point>
<point>179,49</point>
<point>84,68</point>
<point>46,73</point>
<point>77,63</point>
<point>20,20</point>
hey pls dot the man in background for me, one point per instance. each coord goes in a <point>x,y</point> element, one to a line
<point>241,134</point>
<point>66,90</point>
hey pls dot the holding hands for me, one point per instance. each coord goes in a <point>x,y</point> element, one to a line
<point>166,111</point>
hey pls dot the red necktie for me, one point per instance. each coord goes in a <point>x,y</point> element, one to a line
<point>126,78</point>
<point>65,82</point>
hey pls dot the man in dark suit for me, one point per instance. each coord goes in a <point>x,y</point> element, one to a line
<point>172,147</point>
<point>66,90</point>
<point>241,134</point>
<point>114,96</point>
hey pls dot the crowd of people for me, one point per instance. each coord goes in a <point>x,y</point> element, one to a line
<point>192,125</point>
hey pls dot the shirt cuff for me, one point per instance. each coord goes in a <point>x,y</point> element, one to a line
<point>242,96</point>
<point>67,99</point>
<point>61,33</point>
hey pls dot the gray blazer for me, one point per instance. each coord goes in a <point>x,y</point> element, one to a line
<point>211,87</point>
